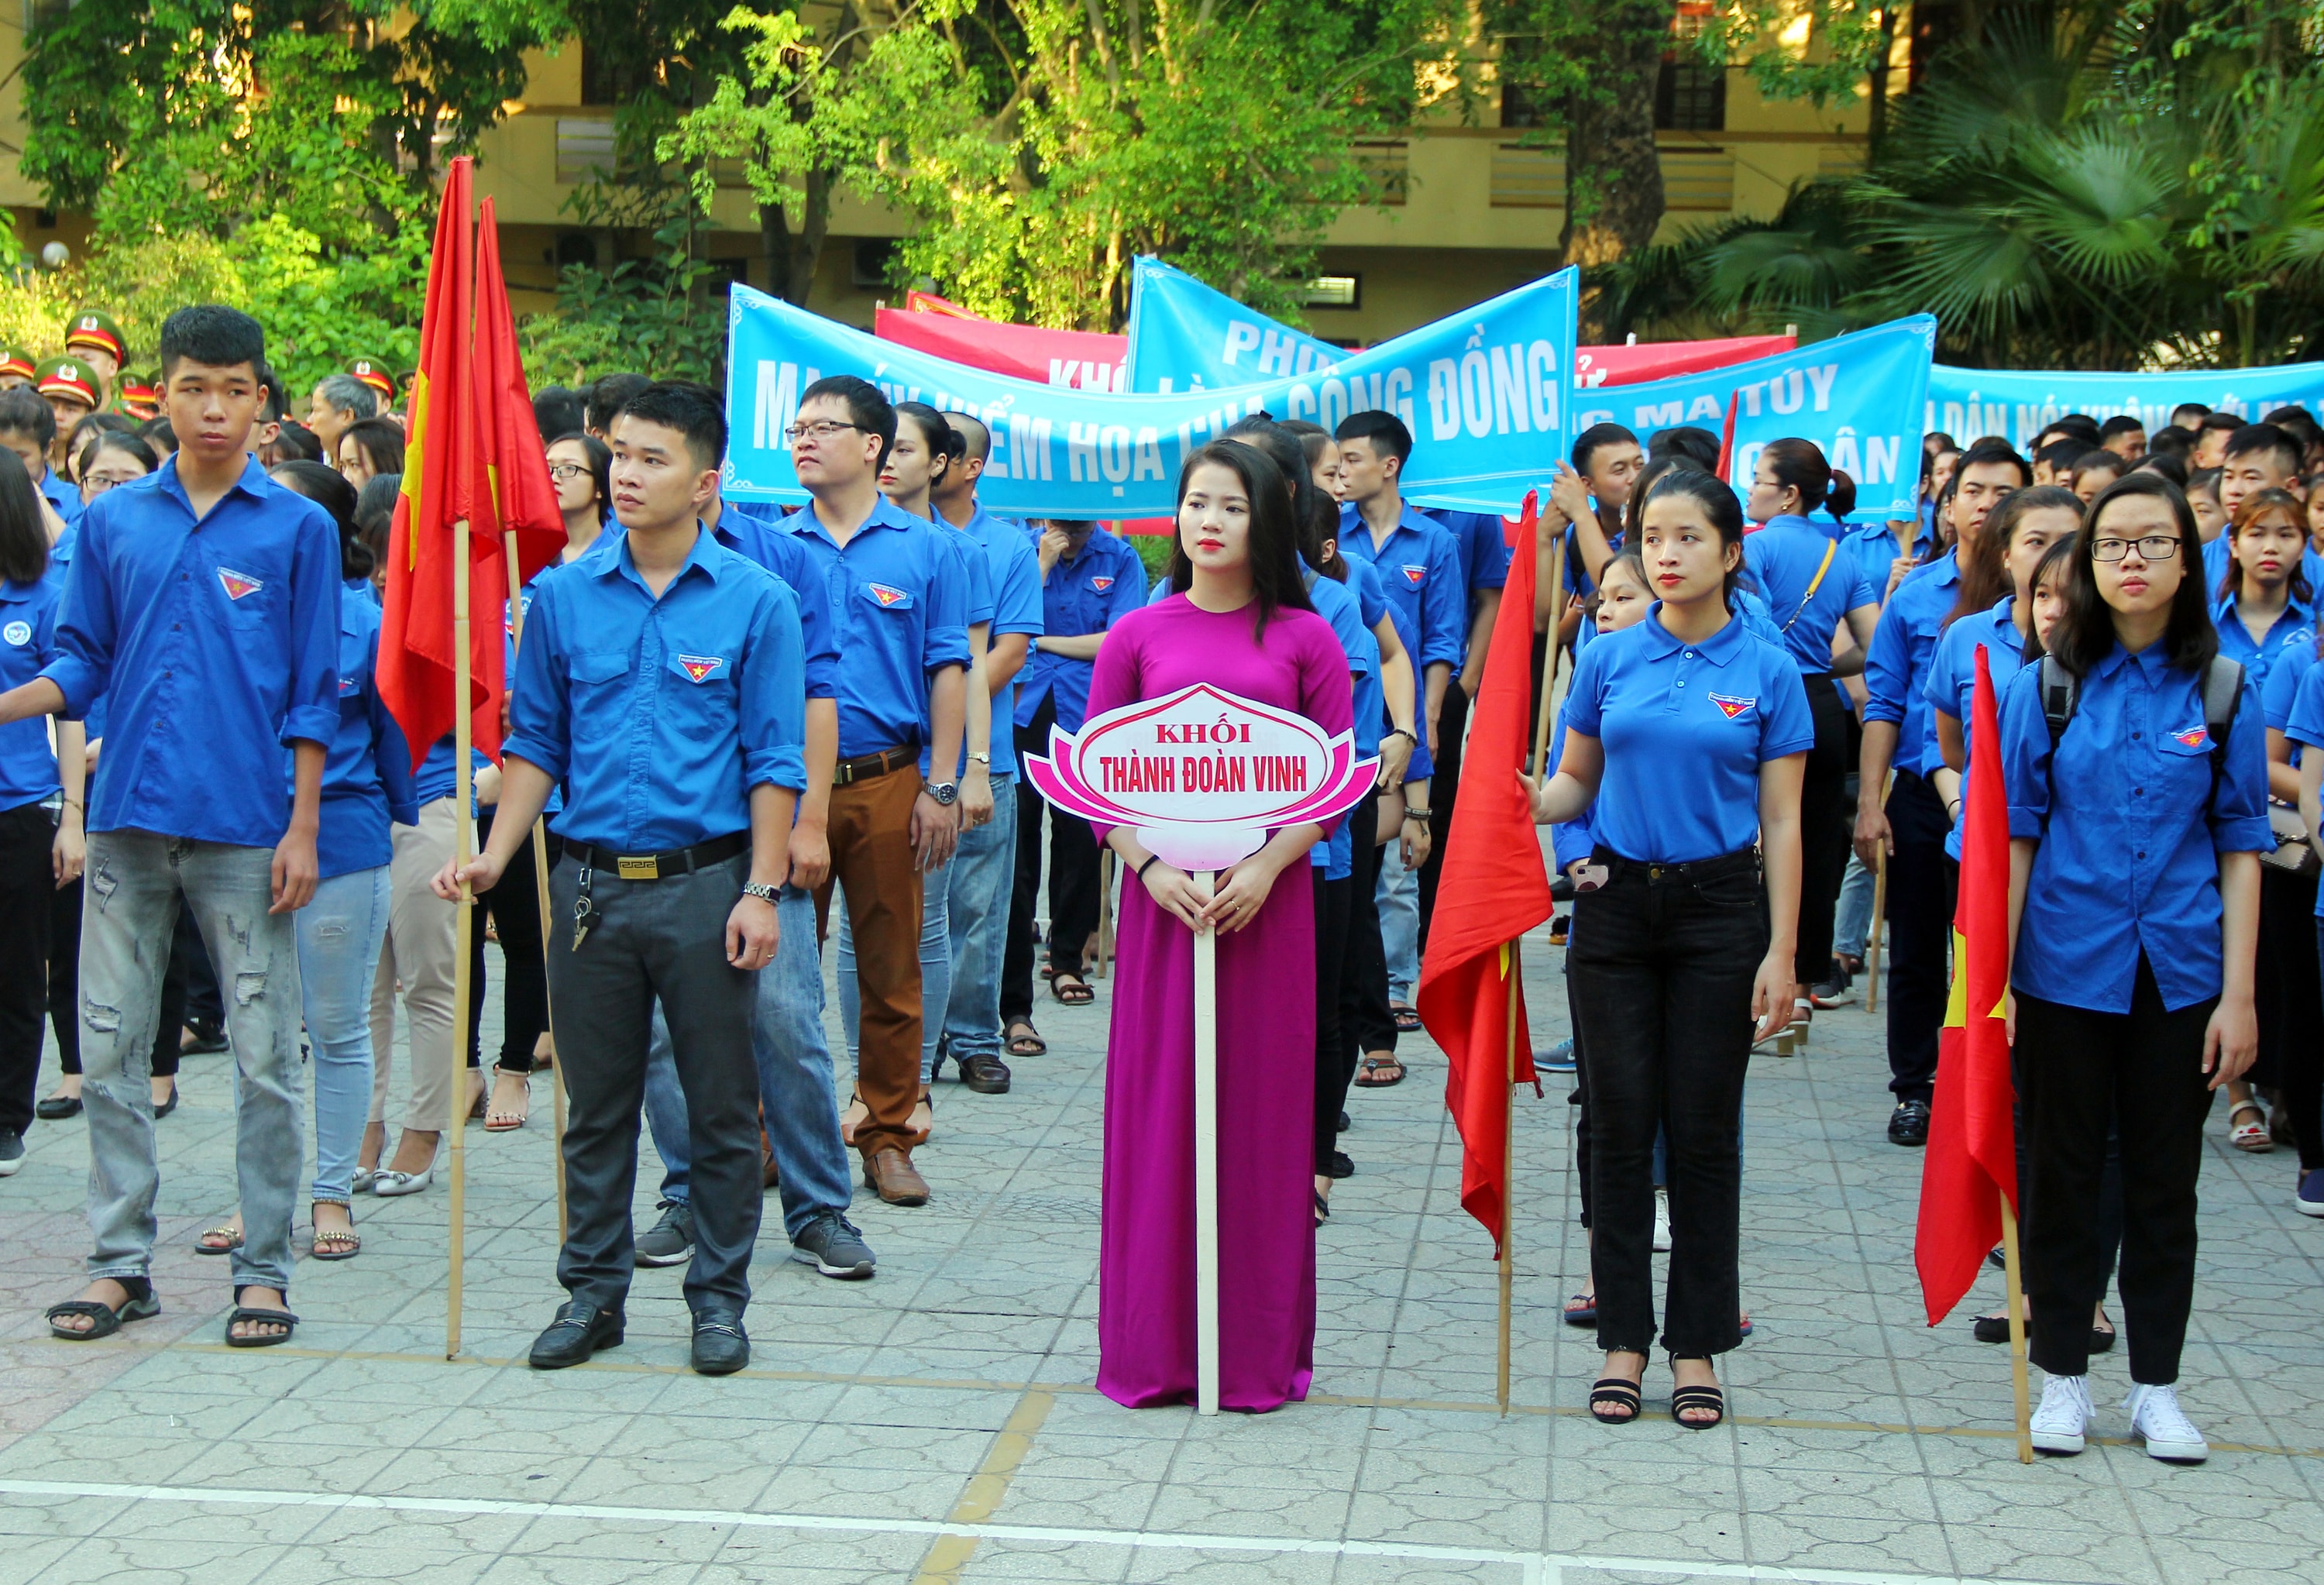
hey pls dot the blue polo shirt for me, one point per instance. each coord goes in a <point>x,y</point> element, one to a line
<point>216,642</point>
<point>28,641</point>
<point>1334,602</point>
<point>60,559</point>
<point>2301,682</point>
<point>1951,685</point>
<point>1807,595</point>
<point>1569,840</point>
<point>62,496</point>
<point>2130,830</point>
<point>902,612</point>
<point>367,779</point>
<point>1903,647</point>
<point>2217,553</point>
<point>2281,688</point>
<point>1088,594</point>
<point>753,535</point>
<point>1479,542</point>
<point>1419,570</point>
<point>1702,717</point>
<point>2295,628</point>
<point>659,716</point>
<point>1015,572</point>
<point>1872,546</point>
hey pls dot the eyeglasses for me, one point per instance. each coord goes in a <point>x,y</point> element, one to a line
<point>818,432</point>
<point>2151,548</point>
<point>97,483</point>
<point>565,473</point>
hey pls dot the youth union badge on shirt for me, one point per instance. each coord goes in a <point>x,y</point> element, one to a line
<point>890,597</point>
<point>237,583</point>
<point>1414,576</point>
<point>699,667</point>
<point>349,684</point>
<point>17,632</point>
<point>1101,584</point>
<point>1731,707</point>
<point>2194,737</point>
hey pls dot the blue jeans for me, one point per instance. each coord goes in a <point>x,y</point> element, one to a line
<point>1398,892</point>
<point>1855,917</point>
<point>794,1080</point>
<point>339,936</point>
<point>133,886</point>
<point>935,972</point>
<point>977,897</point>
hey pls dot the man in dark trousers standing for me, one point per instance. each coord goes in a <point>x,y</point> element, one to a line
<point>664,684</point>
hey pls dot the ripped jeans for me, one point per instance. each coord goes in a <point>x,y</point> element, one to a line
<point>136,881</point>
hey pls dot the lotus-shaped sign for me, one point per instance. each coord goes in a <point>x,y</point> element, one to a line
<point>1203,775</point>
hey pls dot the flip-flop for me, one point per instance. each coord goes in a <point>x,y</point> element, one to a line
<point>1374,1065</point>
<point>1587,1315</point>
<point>1407,1019</point>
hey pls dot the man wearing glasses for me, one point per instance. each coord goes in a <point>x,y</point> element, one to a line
<point>902,686</point>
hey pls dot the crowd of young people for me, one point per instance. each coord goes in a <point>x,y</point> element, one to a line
<point>735,717</point>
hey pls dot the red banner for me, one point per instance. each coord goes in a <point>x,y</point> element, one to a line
<point>1642,361</point>
<point>1084,359</point>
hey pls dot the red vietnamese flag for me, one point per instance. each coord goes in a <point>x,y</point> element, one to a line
<point>522,500</point>
<point>1972,1159</point>
<point>1492,865</point>
<point>416,665</point>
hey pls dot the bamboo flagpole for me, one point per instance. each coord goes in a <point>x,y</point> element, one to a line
<point>1872,936</point>
<point>2017,1332</point>
<point>1508,1172</point>
<point>462,987</point>
<point>539,886</point>
<point>1547,708</point>
<point>1206,1156</point>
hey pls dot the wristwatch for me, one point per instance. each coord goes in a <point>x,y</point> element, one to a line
<point>944,792</point>
<point>760,889</point>
<point>982,758</point>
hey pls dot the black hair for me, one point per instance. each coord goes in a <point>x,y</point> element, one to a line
<point>1689,444</point>
<point>693,411</point>
<point>1985,570</point>
<point>1275,579</point>
<point>2166,463</point>
<point>374,513</point>
<point>556,409</point>
<point>214,335</point>
<point>601,460</point>
<point>274,401</point>
<point>2056,563</point>
<point>940,438</point>
<point>1386,431</point>
<point>25,411</point>
<point>1587,443</point>
<point>2060,455</point>
<point>2264,439</point>
<point>2121,424</point>
<point>1654,469</point>
<point>1313,514</point>
<point>2197,408</point>
<point>381,440</point>
<point>128,443</point>
<point>2081,425</point>
<point>23,536</point>
<point>608,395</point>
<point>2205,480</point>
<point>2086,633</point>
<point>1799,465</point>
<point>2171,438</point>
<point>87,424</point>
<point>2219,420</point>
<point>2099,461</point>
<point>975,435</point>
<point>2231,579</point>
<point>164,439</point>
<point>867,409</point>
<point>327,489</point>
<point>1931,443</point>
<point>1719,504</point>
<point>294,442</point>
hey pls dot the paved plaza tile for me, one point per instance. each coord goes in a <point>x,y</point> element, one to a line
<point>937,1426</point>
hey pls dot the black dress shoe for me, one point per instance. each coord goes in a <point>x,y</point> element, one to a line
<point>721,1348</point>
<point>57,1108</point>
<point>1909,1123</point>
<point>580,1331</point>
<point>986,1075</point>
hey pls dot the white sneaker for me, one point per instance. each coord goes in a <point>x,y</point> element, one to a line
<point>1661,1222</point>
<point>2170,1435</point>
<point>2062,1423</point>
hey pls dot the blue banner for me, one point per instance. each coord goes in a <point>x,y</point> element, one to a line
<point>1485,396</point>
<point>1859,397</point>
<point>2017,404</point>
<point>1184,336</point>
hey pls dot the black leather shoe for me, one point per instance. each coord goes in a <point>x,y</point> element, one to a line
<point>721,1348</point>
<point>580,1331</point>
<point>1909,1123</point>
<point>987,1075</point>
<point>57,1108</point>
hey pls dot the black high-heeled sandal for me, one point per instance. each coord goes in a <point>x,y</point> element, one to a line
<point>1683,1398</point>
<point>1614,1391</point>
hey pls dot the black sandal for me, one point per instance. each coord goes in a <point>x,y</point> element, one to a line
<point>1683,1398</point>
<point>104,1318</point>
<point>265,1339</point>
<point>1614,1391</point>
<point>1323,1208</point>
<point>1028,1044</point>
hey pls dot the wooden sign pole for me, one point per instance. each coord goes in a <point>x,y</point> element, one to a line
<point>1207,1157</point>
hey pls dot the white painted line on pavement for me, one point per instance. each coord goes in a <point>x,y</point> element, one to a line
<point>1538,1567</point>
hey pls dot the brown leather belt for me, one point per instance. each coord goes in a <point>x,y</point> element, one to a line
<point>865,766</point>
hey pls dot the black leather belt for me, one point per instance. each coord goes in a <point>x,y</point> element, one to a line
<point>1742,861</point>
<point>865,766</point>
<point>658,866</point>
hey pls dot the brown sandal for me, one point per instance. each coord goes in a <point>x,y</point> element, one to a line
<point>1368,1079</point>
<point>1078,993</point>
<point>1028,1044</point>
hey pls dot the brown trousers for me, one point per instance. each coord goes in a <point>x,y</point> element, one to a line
<point>871,859</point>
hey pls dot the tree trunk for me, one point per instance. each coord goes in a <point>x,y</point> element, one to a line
<point>1613,178</point>
<point>1875,124</point>
<point>792,255</point>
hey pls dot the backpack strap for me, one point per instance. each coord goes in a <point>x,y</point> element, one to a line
<point>2061,692</point>
<point>2223,695</point>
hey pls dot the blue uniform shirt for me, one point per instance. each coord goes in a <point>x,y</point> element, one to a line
<point>1420,571</point>
<point>660,714</point>
<point>1807,594</point>
<point>2217,552</point>
<point>62,496</point>
<point>1569,840</point>
<point>2294,629</point>
<point>28,641</point>
<point>2302,681</point>
<point>2130,830</point>
<point>1105,582</point>
<point>1903,647</point>
<point>754,536</point>
<point>367,778</point>
<point>1951,685</point>
<point>2291,667</point>
<point>216,643</point>
<point>1686,728</point>
<point>901,610</point>
<point>1479,542</point>
<point>1015,571</point>
<point>1872,546</point>
<point>1335,854</point>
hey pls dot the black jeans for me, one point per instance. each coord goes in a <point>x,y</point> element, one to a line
<point>26,910</point>
<point>514,906</point>
<point>1921,881</point>
<point>2141,1072</point>
<point>1072,882</point>
<point>2290,997</point>
<point>666,940</point>
<point>1332,1066</point>
<point>1823,837</point>
<point>1365,1022</point>
<point>1444,786</point>
<point>1662,960</point>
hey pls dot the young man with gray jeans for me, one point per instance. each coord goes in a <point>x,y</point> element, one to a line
<point>203,605</point>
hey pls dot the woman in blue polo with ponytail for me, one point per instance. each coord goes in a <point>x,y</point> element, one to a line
<point>1695,732</point>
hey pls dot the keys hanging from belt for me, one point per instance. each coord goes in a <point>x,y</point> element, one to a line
<point>584,912</point>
